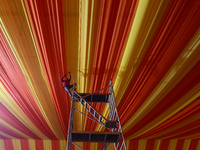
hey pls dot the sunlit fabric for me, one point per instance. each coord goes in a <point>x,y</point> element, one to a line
<point>150,50</point>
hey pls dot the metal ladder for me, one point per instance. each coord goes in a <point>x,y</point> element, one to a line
<point>115,133</point>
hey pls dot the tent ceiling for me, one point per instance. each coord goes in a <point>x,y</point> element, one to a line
<point>149,49</point>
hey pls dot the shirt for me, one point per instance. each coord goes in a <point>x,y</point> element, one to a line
<point>67,81</point>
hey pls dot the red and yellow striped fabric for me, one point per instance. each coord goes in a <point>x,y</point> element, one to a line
<point>149,49</point>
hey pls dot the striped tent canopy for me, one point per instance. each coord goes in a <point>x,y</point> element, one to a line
<point>150,49</point>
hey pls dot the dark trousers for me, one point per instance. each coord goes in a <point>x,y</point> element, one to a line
<point>67,88</point>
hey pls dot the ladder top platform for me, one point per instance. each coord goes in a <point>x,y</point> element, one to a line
<point>98,98</point>
<point>95,136</point>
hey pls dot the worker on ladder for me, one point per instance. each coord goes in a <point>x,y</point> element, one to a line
<point>66,84</point>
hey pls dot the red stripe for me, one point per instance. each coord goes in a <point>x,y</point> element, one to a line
<point>86,145</point>
<point>110,46</point>
<point>188,130</point>
<point>8,144</point>
<point>6,130</point>
<point>183,129</point>
<point>164,145</point>
<point>133,144</point>
<point>193,144</point>
<point>73,147</point>
<point>183,115</point>
<point>24,144</point>
<point>160,57</point>
<point>150,144</point>
<point>39,144</point>
<point>182,88</point>
<point>48,28</point>
<point>179,144</point>
<point>100,145</point>
<point>55,144</point>
<point>2,137</point>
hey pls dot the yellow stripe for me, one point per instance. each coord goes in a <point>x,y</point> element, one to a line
<point>127,143</point>
<point>82,55</point>
<point>16,144</point>
<point>71,34</point>
<point>110,147</point>
<point>89,51</point>
<point>142,144</point>
<point>32,145</point>
<point>47,144</point>
<point>6,135</point>
<point>157,144</point>
<point>172,144</point>
<point>63,145</point>
<point>2,146</point>
<point>186,144</point>
<point>93,146</point>
<point>198,146</point>
<point>79,144</point>
<point>83,44</point>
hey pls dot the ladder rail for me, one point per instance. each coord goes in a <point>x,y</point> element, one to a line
<point>105,146</point>
<point>70,126</point>
<point>117,115</point>
<point>110,106</point>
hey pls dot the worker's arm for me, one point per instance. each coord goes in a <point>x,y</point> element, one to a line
<point>62,78</point>
<point>69,76</point>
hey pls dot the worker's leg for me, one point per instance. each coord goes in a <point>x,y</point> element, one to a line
<point>71,87</point>
<point>67,89</point>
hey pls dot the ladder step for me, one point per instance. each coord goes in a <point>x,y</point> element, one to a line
<point>100,118</point>
<point>95,113</point>
<point>111,124</point>
<point>85,105</point>
<point>90,110</point>
<point>95,136</point>
<point>96,98</point>
<point>81,100</point>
